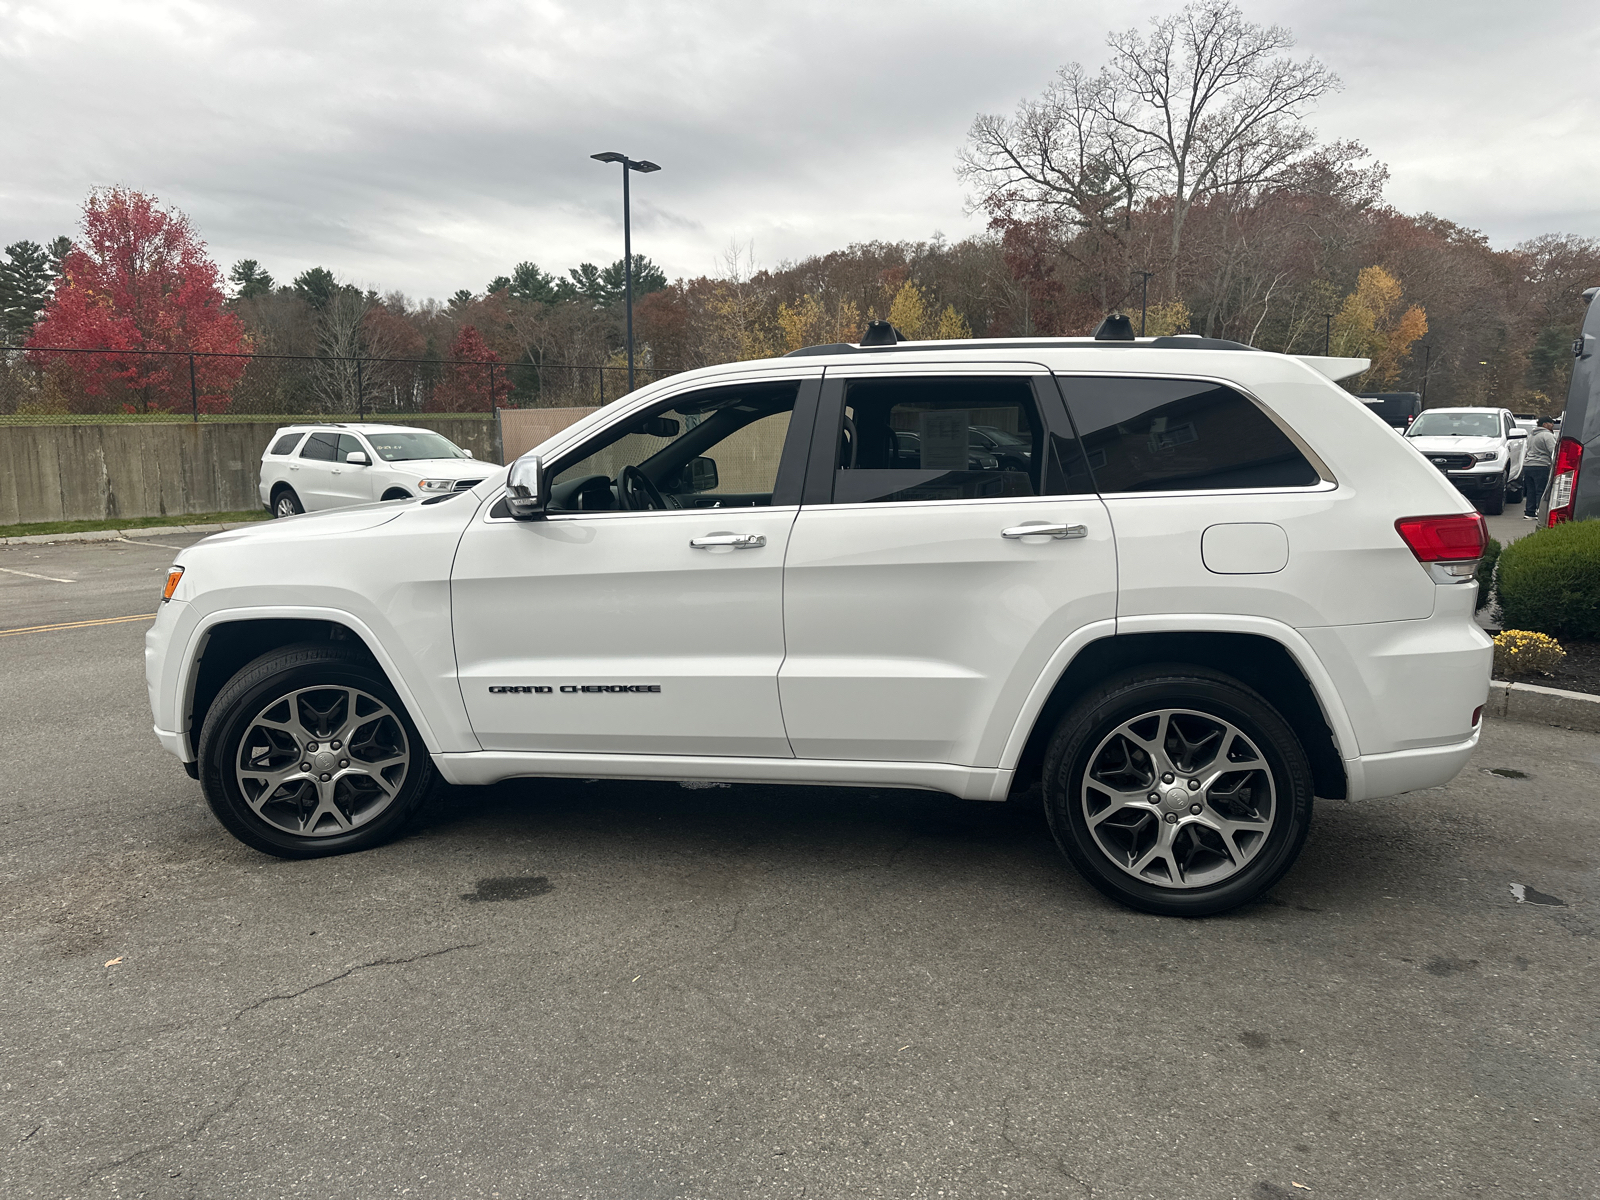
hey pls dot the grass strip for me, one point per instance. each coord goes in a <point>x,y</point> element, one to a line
<point>37,527</point>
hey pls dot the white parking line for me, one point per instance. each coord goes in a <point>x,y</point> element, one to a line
<point>147,542</point>
<point>31,575</point>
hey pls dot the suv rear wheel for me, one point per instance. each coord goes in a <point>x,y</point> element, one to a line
<point>286,503</point>
<point>1177,790</point>
<point>308,752</point>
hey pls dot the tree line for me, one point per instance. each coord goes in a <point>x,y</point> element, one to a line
<point>1180,183</point>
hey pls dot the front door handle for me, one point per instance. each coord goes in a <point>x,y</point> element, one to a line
<point>733,541</point>
<point>1042,529</point>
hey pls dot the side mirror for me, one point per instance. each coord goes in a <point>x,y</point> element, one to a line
<point>357,458</point>
<point>1518,433</point>
<point>702,474</point>
<point>527,489</point>
<point>467,452</point>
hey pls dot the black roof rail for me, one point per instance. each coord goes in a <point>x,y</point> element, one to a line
<point>1181,341</point>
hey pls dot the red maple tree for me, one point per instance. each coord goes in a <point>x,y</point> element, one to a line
<point>466,387</point>
<point>140,280</point>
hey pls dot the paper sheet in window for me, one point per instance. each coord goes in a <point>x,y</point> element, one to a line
<point>944,439</point>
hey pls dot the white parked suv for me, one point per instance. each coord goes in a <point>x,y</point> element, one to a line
<point>1480,450</point>
<point>1213,587</point>
<point>308,468</point>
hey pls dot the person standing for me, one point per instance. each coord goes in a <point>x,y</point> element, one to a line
<point>1536,464</point>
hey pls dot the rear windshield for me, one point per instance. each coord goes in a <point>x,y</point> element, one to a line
<point>402,447</point>
<point>1455,424</point>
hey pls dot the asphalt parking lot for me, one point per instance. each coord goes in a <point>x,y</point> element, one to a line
<point>575,989</point>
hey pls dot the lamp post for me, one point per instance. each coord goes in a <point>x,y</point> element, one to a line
<point>1144,299</point>
<point>644,166</point>
<point>1427,357</point>
<point>1327,333</point>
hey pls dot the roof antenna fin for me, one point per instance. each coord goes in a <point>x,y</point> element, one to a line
<point>1115,328</point>
<point>881,333</point>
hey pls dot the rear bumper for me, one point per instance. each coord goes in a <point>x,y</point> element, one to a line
<point>1374,776</point>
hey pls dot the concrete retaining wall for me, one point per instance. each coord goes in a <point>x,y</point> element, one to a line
<point>85,472</point>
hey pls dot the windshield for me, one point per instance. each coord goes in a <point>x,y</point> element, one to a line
<point>403,447</point>
<point>1456,424</point>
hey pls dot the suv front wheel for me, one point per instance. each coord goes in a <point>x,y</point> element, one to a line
<point>308,752</point>
<point>1177,790</point>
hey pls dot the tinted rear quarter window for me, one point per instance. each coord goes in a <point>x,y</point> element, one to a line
<point>286,444</point>
<point>1178,435</point>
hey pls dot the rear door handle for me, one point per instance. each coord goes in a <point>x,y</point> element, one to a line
<point>1041,529</point>
<point>734,541</point>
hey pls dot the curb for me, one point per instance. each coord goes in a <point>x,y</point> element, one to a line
<point>1537,705</point>
<point>119,535</point>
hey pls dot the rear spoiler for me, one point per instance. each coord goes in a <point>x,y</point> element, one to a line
<point>1335,368</point>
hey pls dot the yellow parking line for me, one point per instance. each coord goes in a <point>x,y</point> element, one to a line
<point>76,624</point>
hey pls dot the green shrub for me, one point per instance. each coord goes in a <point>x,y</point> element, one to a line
<point>1549,581</point>
<point>1491,555</point>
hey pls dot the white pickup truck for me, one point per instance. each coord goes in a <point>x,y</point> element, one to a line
<point>1203,586</point>
<point>1480,450</point>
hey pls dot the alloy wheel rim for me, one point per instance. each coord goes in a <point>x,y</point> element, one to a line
<point>1179,798</point>
<point>322,761</point>
<point>285,507</point>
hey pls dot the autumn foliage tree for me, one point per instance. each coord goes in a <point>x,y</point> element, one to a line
<point>466,387</point>
<point>139,280</point>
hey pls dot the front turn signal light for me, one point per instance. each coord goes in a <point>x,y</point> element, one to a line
<point>172,583</point>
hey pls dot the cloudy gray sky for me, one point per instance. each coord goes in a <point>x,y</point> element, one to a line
<point>428,146</point>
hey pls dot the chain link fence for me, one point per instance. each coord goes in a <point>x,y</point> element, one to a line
<point>47,385</point>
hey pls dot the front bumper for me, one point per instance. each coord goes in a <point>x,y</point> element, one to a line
<point>1474,482</point>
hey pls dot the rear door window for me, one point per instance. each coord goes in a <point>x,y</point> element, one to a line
<point>919,437</point>
<point>322,447</point>
<point>1179,435</point>
<point>286,444</point>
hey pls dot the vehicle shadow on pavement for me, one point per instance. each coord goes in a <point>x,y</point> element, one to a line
<point>846,830</point>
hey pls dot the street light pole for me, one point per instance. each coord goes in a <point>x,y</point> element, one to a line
<point>1427,356</point>
<point>1327,333</point>
<point>644,166</point>
<point>1144,299</point>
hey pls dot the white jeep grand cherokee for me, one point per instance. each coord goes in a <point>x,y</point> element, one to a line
<point>1208,586</point>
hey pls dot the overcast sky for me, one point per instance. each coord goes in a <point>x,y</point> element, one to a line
<point>430,146</point>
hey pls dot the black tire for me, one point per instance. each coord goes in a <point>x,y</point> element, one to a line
<point>1514,491</point>
<point>1494,503</point>
<point>286,504</point>
<point>250,695</point>
<point>1203,695</point>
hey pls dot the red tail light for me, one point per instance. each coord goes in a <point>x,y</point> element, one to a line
<point>1445,539</point>
<point>1564,487</point>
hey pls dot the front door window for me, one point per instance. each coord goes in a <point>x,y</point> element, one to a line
<point>717,448</point>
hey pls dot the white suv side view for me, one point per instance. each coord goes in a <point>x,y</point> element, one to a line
<point>1204,586</point>
<point>309,468</point>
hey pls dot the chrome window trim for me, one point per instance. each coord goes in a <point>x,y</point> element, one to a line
<point>1324,473</point>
